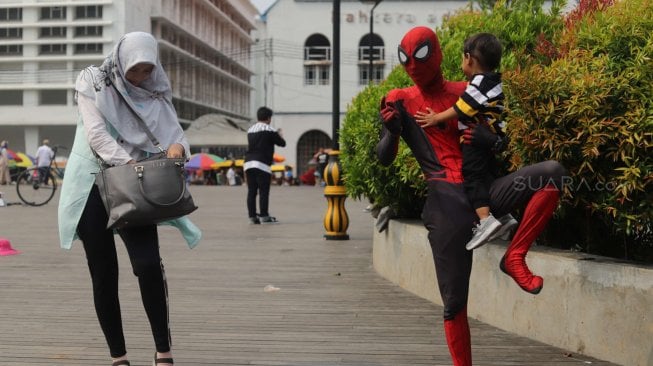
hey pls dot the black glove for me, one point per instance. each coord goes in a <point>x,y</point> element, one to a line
<point>480,136</point>
<point>391,117</point>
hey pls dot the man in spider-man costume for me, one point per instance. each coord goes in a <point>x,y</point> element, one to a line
<point>448,215</point>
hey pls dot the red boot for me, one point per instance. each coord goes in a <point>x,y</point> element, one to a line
<point>456,331</point>
<point>537,214</point>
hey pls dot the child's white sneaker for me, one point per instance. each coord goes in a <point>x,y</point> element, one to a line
<point>508,222</point>
<point>482,231</point>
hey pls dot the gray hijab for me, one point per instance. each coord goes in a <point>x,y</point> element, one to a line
<point>152,100</point>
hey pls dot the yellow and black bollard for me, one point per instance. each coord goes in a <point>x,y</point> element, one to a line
<point>336,220</point>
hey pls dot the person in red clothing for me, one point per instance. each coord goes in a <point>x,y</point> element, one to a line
<point>448,215</point>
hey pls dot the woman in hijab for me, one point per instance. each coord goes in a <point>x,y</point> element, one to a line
<point>107,127</point>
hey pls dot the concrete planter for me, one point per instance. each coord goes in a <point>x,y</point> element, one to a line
<point>591,305</point>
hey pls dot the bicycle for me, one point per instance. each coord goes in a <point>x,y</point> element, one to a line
<point>35,188</point>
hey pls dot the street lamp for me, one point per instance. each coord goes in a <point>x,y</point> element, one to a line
<point>370,68</point>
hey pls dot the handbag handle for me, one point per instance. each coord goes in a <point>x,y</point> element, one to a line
<point>140,172</point>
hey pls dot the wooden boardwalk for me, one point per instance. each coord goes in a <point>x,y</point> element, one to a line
<point>331,307</point>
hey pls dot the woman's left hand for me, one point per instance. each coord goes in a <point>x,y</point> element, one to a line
<point>176,151</point>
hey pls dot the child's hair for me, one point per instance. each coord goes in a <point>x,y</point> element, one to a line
<point>486,48</point>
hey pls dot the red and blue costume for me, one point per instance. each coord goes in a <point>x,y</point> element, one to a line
<point>448,215</point>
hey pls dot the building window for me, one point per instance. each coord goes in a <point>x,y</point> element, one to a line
<point>11,50</point>
<point>11,73</point>
<point>53,72</point>
<point>11,33</point>
<point>377,73</point>
<point>317,60</point>
<point>88,12</point>
<point>53,12</point>
<point>52,32</point>
<point>90,31</point>
<point>324,75</point>
<point>11,14</point>
<point>53,97</point>
<point>86,48</point>
<point>52,49</point>
<point>317,48</point>
<point>377,55</point>
<point>11,97</point>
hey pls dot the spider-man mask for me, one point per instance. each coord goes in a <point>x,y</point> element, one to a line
<point>420,53</point>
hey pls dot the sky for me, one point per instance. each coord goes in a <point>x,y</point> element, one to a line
<point>262,5</point>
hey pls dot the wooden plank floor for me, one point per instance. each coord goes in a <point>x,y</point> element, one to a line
<point>331,307</point>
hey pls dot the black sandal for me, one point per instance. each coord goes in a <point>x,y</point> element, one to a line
<point>162,360</point>
<point>121,363</point>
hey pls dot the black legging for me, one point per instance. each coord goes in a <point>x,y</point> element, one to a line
<point>258,181</point>
<point>449,217</point>
<point>142,245</point>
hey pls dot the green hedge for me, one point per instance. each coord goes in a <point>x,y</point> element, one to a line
<point>591,108</point>
<point>401,185</point>
<point>578,90</point>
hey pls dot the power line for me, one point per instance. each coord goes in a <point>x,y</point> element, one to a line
<point>268,48</point>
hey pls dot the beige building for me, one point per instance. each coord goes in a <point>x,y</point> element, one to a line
<point>295,65</point>
<point>204,45</point>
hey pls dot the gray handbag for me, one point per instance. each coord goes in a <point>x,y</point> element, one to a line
<point>147,192</point>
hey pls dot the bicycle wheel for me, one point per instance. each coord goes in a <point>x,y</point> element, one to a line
<point>35,191</point>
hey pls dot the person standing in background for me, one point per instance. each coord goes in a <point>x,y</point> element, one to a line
<point>231,175</point>
<point>322,159</point>
<point>44,156</point>
<point>5,176</point>
<point>261,138</point>
<point>288,176</point>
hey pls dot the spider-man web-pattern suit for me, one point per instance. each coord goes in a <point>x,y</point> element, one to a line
<point>448,215</point>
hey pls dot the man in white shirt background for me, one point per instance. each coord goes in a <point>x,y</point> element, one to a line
<point>44,156</point>
<point>231,175</point>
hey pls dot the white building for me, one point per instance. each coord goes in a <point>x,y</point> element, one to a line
<point>204,45</point>
<point>294,54</point>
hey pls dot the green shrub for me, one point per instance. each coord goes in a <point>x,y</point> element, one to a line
<point>578,91</point>
<point>397,185</point>
<point>592,110</point>
<point>401,185</point>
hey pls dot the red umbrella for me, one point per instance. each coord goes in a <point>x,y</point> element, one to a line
<point>13,156</point>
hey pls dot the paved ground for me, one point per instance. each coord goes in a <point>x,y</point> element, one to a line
<point>331,307</point>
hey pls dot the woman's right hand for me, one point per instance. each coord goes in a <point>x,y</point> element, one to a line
<point>175,151</point>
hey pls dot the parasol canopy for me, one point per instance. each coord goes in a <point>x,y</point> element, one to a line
<point>227,164</point>
<point>278,168</point>
<point>23,160</point>
<point>202,161</point>
<point>11,154</point>
<point>278,158</point>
